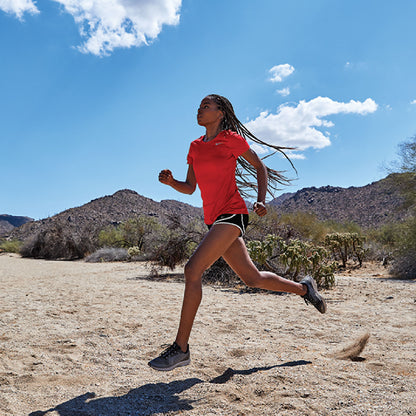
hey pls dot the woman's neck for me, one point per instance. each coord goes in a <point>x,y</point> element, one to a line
<point>211,133</point>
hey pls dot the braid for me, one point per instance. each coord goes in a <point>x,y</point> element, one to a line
<point>245,172</point>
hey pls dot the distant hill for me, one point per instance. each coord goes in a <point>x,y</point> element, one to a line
<point>368,206</point>
<point>9,222</point>
<point>112,209</point>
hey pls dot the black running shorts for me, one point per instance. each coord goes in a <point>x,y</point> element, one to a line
<point>238,220</point>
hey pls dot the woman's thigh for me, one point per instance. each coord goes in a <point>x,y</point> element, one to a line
<point>239,260</point>
<point>216,242</point>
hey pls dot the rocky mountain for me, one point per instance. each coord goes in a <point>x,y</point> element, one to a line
<point>369,206</point>
<point>9,222</point>
<point>112,209</point>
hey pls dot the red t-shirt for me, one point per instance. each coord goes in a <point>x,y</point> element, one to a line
<point>214,164</point>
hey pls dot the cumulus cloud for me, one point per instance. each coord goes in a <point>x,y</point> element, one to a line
<point>284,92</point>
<point>279,72</point>
<point>300,126</point>
<point>413,102</point>
<point>19,7</point>
<point>110,24</point>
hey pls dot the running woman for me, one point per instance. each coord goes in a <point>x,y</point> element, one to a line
<point>212,162</point>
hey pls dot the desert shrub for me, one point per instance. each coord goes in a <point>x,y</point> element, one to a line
<point>383,242</point>
<point>135,232</point>
<point>404,265</point>
<point>11,246</point>
<point>307,225</point>
<point>173,251</point>
<point>60,243</point>
<point>176,243</point>
<point>293,259</point>
<point>108,254</point>
<point>282,225</point>
<point>404,178</point>
<point>220,273</point>
<point>111,236</point>
<point>296,225</point>
<point>134,252</point>
<point>345,246</point>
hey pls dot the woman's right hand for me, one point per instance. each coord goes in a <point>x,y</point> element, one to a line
<point>166,177</point>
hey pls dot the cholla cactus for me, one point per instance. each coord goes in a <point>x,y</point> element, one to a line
<point>296,257</point>
<point>345,246</point>
<point>134,251</point>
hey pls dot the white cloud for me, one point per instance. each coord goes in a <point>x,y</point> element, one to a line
<point>413,102</point>
<point>19,7</point>
<point>356,66</point>
<point>284,92</point>
<point>279,72</point>
<point>298,126</point>
<point>110,24</point>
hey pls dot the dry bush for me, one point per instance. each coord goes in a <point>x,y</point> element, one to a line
<point>404,265</point>
<point>59,243</point>
<point>175,244</point>
<point>220,273</point>
<point>172,251</point>
<point>135,232</point>
<point>10,246</point>
<point>108,254</point>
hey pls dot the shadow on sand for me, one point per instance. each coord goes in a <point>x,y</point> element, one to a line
<point>149,399</point>
<point>146,400</point>
<point>229,373</point>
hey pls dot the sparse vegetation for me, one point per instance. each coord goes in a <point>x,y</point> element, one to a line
<point>167,242</point>
<point>135,232</point>
<point>404,264</point>
<point>177,243</point>
<point>220,273</point>
<point>293,259</point>
<point>10,246</point>
<point>134,252</point>
<point>60,243</point>
<point>108,254</point>
<point>346,246</point>
<point>144,238</point>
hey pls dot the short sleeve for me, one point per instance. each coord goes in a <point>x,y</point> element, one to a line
<point>189,158</point>
<point>237,144</point>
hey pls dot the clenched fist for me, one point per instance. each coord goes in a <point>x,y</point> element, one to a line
<point>260,209</point>
<point>166,177</point>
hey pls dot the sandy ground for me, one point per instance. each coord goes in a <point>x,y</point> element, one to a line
<point>75,339</point>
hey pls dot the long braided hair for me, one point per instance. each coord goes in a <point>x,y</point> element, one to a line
<point>245,172</point>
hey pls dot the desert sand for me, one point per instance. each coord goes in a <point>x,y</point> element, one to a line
<point>75,339</point>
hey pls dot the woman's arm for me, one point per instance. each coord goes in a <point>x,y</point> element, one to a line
<point>186,187</point>
<point>255,161</point>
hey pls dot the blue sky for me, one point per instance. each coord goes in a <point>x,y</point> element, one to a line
<point>98,96</point>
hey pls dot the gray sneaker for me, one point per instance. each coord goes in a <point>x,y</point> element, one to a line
<point>171,358</point>
<point>312,295</point>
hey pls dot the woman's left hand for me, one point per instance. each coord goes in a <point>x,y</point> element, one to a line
<point>260,209</point>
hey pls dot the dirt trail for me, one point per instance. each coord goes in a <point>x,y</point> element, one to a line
<point>75,339</point>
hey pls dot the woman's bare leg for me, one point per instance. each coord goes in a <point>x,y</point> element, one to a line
<point>213,246</point>
<point>239,260</point>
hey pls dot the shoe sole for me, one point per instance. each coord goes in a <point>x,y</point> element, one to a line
<point>315,288</point>
<point>180,364</point>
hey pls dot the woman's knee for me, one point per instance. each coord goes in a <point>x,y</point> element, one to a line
<point>192,272</point>
<point>252,279</point>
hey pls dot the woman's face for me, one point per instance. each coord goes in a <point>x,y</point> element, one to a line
<point>209,113</point>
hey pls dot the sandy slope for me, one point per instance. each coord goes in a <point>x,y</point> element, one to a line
<point>75,339</point>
